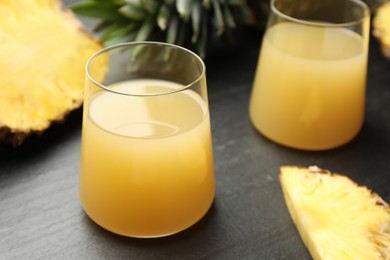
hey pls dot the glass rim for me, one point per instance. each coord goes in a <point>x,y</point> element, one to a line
<point>324,24</point>
<point>156,43</point>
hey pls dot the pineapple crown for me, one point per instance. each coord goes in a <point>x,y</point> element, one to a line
<point>183,22</point>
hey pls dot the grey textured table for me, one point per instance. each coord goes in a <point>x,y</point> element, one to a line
<point>41,217</point>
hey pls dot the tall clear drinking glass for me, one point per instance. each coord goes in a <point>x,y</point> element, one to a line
<point>309,88</point>
<point>146,160</point>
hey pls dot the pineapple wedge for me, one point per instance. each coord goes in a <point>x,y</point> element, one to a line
<point>43,52</point>
<point>381,27</point>
<point>336,218</point>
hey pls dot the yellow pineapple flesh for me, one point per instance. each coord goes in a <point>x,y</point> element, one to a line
<point>43,52</point>
<point>381,27</point>
<point>336,218</point>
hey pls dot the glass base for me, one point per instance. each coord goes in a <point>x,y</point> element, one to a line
<point>146,236</point>
<point>295,144</point>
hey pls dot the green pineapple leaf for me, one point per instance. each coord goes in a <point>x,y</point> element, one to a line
<point>220,24</point>
<point>133,12</point>
<point>101,9</point>
<point>145,30</point>
<point>196,17</point>
<point>183,7</point>
<point>172,33</point>
<point>163,17</point>
<point>151,6</point>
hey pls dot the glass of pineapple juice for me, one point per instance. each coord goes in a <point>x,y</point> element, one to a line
<point>309,87</point>
<point>146,152</point>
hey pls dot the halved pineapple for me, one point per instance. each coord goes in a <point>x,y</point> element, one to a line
<point>43,52</point>
<point>336,218</point>
<point>381,27</point>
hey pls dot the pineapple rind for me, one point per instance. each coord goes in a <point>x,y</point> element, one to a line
<point>357,230</point>
<point>43,51</point>
<point>381,27</point>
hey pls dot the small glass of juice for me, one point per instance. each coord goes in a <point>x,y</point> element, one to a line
<point>146,151</point>
<point>309,87</point>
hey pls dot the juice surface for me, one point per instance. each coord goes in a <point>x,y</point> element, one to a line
<point>309,88</point>
<point>147,166</point>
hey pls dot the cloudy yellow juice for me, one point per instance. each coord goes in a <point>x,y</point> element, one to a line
<point>147,166</point>
<point>309,88</point>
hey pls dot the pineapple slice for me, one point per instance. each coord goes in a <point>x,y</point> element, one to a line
<point>336,218</point>
<point>43,52</point>
<point>381,27</point>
